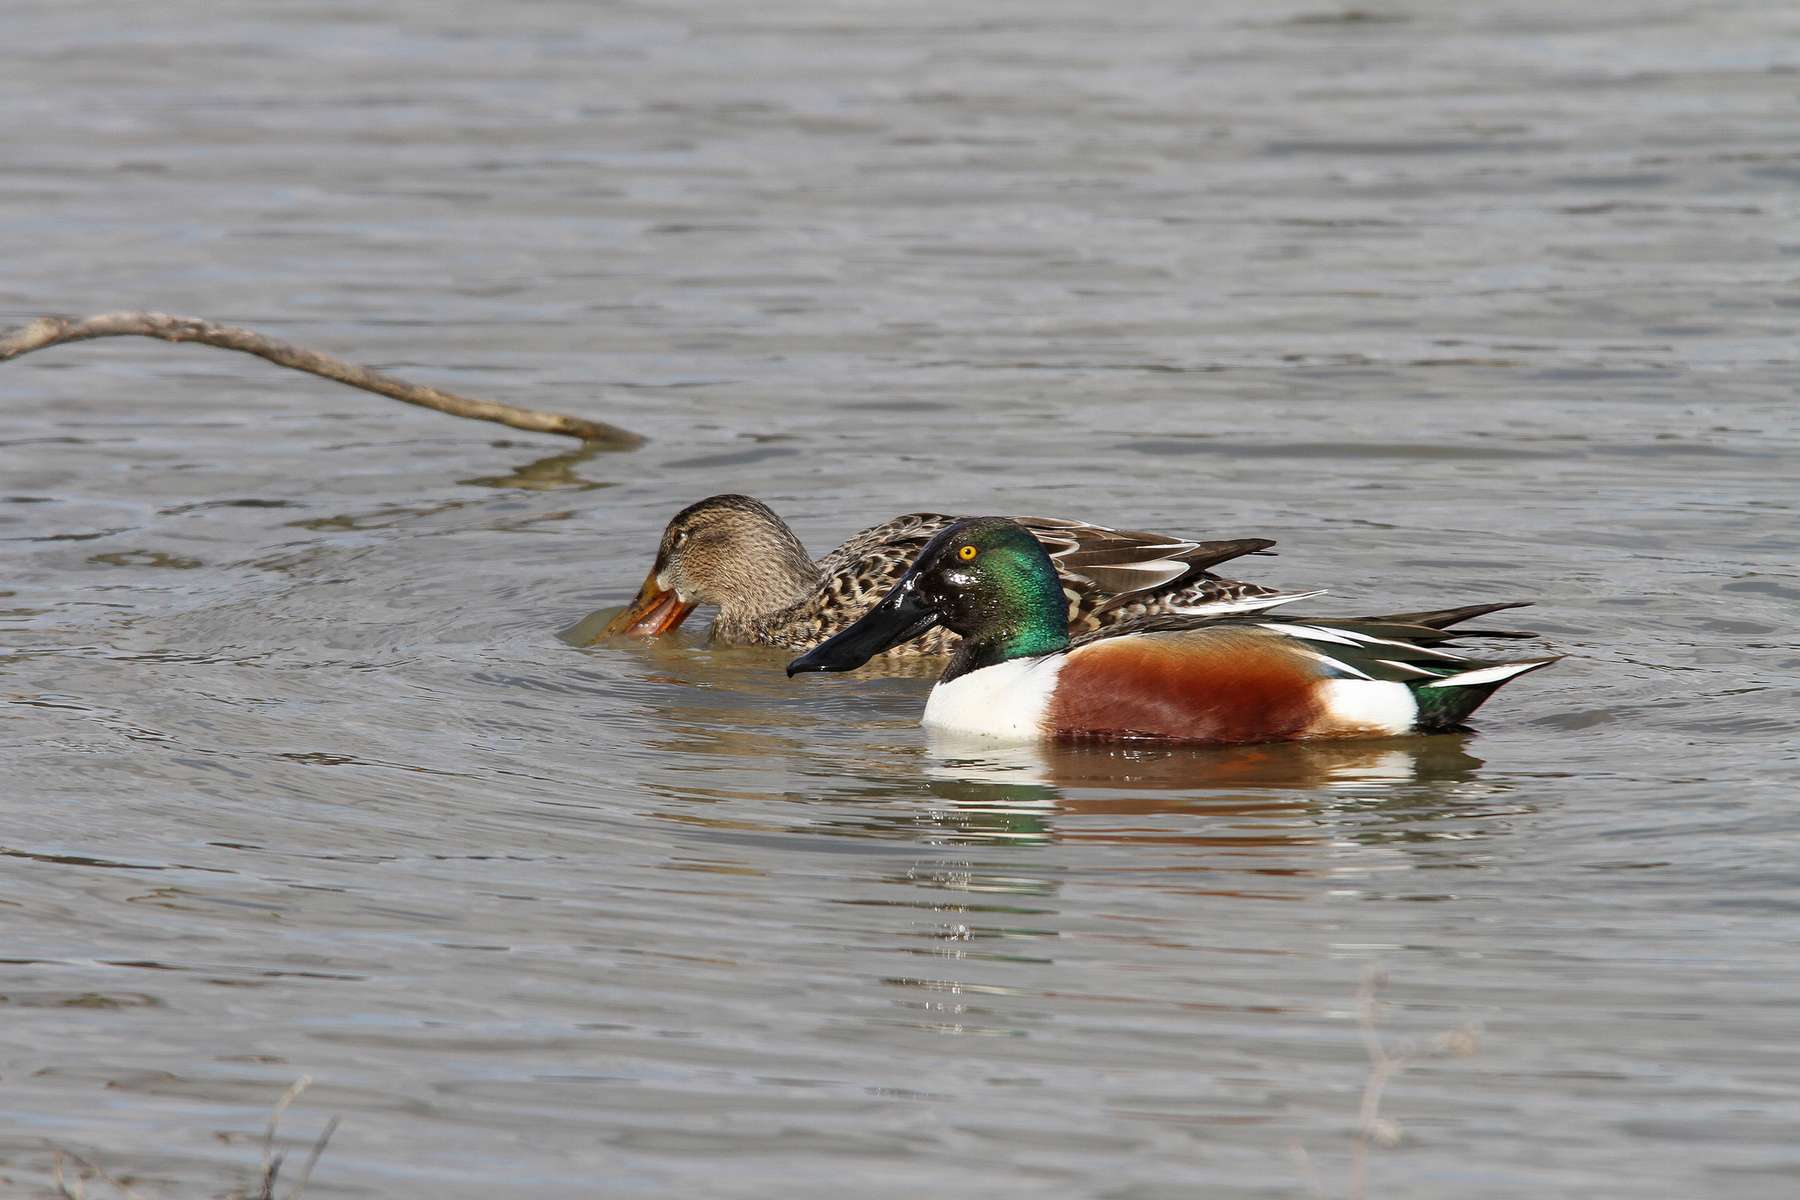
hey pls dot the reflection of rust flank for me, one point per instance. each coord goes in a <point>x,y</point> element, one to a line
<point>1239,772</point>
<point>720,823</point>
<point>1189,1005</point>
<point>1218,767</point>
<point>1190,947</point>
<point>1241,894</point>
<point>672,956</point>
<point>1143,806</point>
<point>1214,868</point>
<point>1146,838</point>
<point>1202,1119</point>
<point>713,868</point>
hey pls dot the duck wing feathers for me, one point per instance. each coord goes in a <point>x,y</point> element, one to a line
<point>1109,575</point>
<point>1371,648</point>
<point>1427,628</point>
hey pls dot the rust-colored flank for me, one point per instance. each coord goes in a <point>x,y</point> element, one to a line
<point>1208,686</point>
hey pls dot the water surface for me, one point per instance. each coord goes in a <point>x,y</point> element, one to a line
<point>1461,305</point>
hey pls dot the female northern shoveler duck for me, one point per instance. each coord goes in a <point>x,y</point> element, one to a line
<point>1018,676</point>
<point>735,552</point>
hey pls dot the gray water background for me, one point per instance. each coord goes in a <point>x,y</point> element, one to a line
<point>1459,302</point>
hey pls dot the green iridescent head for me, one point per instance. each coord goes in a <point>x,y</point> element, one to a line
<point>986,578</point>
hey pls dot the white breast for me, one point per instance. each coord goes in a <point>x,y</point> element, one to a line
<point>1006,702</point>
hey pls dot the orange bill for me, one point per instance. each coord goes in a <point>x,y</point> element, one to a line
<point>656,610</point>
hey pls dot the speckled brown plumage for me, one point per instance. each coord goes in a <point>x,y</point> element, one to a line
<point>735,552</point>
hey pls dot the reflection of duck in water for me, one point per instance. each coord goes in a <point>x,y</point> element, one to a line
<point>1341,766</point>
<point>1018,677</point>
<point>734,552</point>
<point>1268,795</point>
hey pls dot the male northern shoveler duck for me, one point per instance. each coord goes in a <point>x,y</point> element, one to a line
<point>1018,676</point>
<point>735,552</point>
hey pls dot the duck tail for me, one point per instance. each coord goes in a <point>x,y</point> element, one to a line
<point>1444,618</point>
<point>1446,701</point>
<point>1207,555</point>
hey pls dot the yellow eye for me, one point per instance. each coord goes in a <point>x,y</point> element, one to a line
<point>967,553</point>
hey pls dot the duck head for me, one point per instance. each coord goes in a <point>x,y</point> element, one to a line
<point>731,551</point>
<point>985,578</point>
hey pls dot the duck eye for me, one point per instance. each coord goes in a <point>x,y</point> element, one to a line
<point>967,553</point>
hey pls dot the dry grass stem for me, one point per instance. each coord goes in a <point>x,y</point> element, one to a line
<point>271,1161</point>
<point>79,1190</point>
<point>74,1186</point>
<point>56,331</point>
<point>312,1159</point>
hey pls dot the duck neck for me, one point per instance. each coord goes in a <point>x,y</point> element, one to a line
<point>1028,618</point>
<point>791,579</point>
<point>785,581</point>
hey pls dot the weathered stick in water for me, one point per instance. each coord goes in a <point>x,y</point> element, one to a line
<point>1373,1129</point>
<point>54,331</point>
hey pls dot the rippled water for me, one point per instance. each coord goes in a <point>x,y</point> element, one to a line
<point>1460,303</point>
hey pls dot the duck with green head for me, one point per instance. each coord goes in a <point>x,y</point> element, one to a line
<point>1017,675</point>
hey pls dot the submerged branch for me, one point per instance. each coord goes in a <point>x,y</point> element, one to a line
<point>1373,1129</point>
<point>55,331</point>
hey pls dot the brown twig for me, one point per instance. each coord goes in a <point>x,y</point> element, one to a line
<point>55,331</point>
<point>1373,1129</point>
